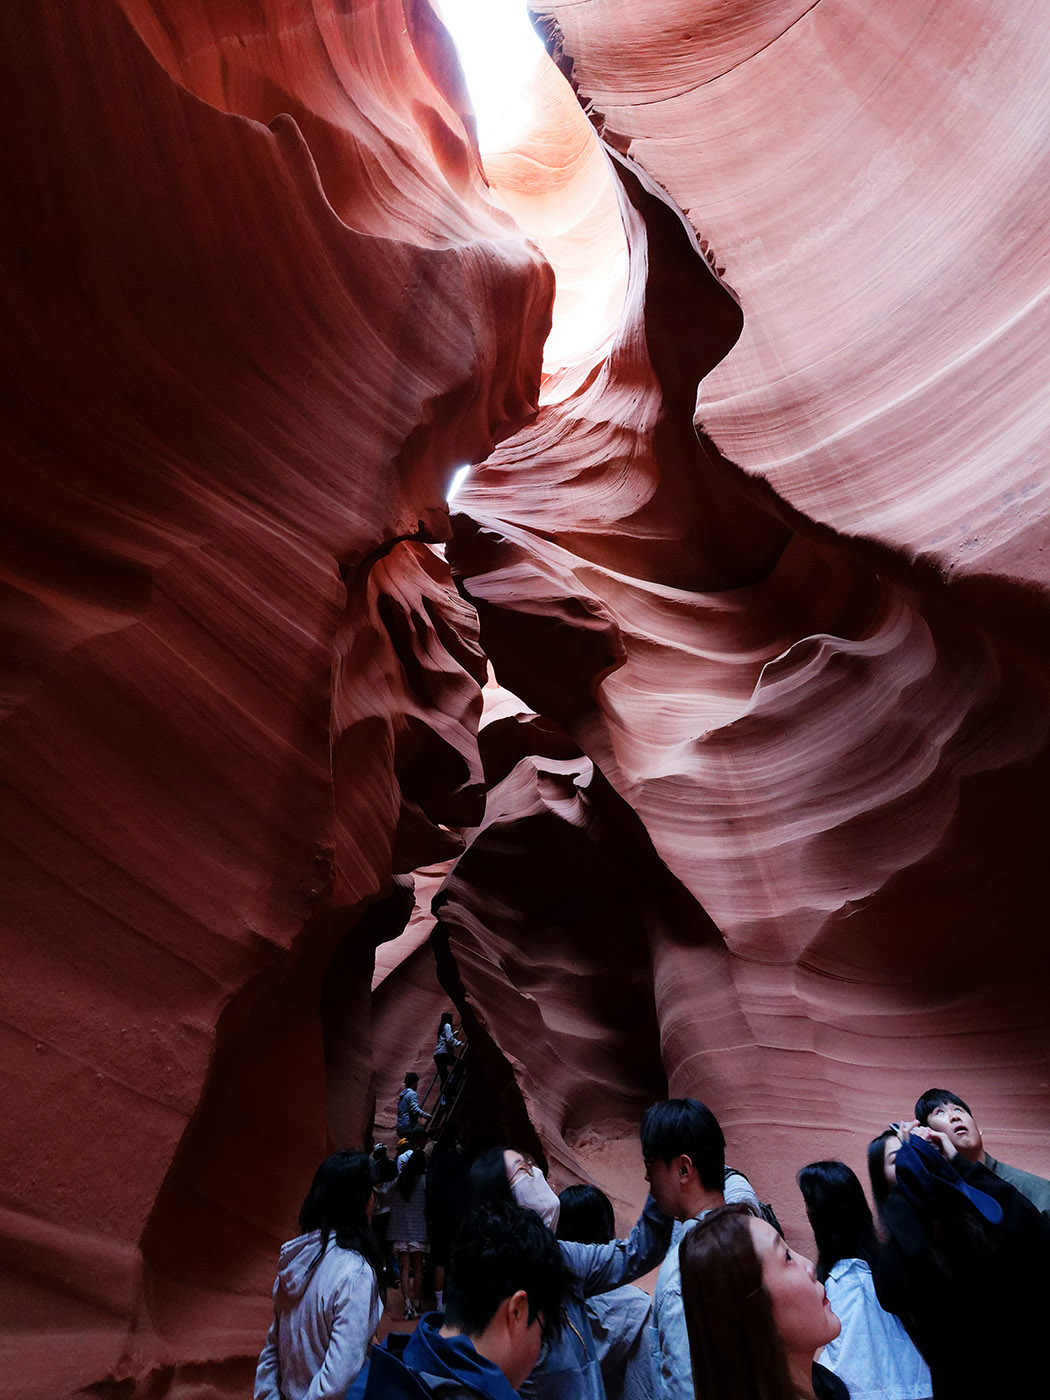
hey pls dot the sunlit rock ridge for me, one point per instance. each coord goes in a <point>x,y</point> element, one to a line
<point>713,720</point>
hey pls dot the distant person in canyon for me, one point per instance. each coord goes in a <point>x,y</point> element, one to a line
<point>408,1229</point>
<point>684,1152</point>
<point>873,1354</point>
<point>385,1173</point>
<point>445,1050</point>
<point>416,1141</point>
<point>327,1298</point>
<point>447,1195</point>
<point>754,1313</point>
<point>409,1114</point>
<point>506,1289</point>
<point>965,1266</point>
<point>620,1318</point>
<point>569,1366</point>
<point>949,1114</point>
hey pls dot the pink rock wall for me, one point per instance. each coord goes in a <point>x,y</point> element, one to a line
<point>874,183</point>
<point>818,730</point>
<point>232,387</point>
<point>777,835</point>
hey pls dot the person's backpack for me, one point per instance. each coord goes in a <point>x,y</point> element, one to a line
<point>765,1209</point>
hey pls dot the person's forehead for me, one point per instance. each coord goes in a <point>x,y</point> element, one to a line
<point>764,1237</point>
<point>948,1106</point>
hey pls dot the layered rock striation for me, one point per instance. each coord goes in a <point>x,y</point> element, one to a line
<point>244,353</point>
<point>756,535</point>
<point>816,716</point>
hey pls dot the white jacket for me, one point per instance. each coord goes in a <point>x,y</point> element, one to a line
<point>323,1321</point>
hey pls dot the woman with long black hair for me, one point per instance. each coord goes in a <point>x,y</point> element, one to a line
<point>873,1353</point>
<point>327,1297</point>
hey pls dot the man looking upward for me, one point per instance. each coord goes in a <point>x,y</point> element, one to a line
<point>947,1113</point>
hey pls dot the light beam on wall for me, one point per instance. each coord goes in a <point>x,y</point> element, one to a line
<point>459,476</point>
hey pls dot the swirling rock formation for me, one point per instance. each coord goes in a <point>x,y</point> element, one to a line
<point>776,788</point>
<point>811,726</point>
<point>873,183</point>
<point>243,355</point>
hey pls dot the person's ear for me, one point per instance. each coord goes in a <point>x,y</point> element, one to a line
<point>518,1311</point>
<point>685,1167</point>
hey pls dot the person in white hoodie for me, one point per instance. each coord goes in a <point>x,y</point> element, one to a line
<point>327,1297</point>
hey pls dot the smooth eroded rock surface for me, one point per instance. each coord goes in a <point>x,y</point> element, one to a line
<point>234,382</point>
<point>719,742</point>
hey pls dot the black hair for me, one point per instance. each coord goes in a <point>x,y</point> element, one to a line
<point>337,1204</point>
<point>839,1214</point>
<point>411,1079</point>
<point>935,1098</point>
<point>383,1169</point>
<point>488,1178</point>
<point>498,1249</point>
<point>675,1127</point>
<point>410,1174</point>
<point>586,1216</point>
<point>880,1187</point>
<point>448,1139</point>
<point>446,1020</point>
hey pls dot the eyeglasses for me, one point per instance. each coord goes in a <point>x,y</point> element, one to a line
<point>526,1165</point>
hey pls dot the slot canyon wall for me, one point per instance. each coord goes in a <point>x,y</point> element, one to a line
<point>719,725</point>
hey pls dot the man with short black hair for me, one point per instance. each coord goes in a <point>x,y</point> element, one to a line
<point>505,1293</point>
<point>947,1113</point>
<point>409,1114</point>
<point>684,1153</point>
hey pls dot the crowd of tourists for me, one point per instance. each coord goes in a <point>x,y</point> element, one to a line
<point>943,1293</point>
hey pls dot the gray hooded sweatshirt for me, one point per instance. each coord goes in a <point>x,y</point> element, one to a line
<point>323,1321</point>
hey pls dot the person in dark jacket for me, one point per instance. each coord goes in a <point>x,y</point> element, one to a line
<point>447,1196</point>
<point>966,1268</point>
<point>949,1114</point>
<point>506,1292</point>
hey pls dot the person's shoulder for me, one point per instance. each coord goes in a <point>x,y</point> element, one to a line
<point>738,1189</point>
<point>1018,1177</point>
<point>344,1267</point>
<point>669,1276</point>
<point>852,1268</point>
<point>388,1378</point>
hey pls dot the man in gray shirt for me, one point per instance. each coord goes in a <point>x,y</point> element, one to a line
<point>947,1113</point>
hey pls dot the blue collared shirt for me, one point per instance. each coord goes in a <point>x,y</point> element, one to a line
<point>872,1354</point>
<point>672,1367</point>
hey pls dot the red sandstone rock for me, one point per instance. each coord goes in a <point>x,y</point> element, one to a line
<point>261,305</point>
<point>240,358</point>
<point>874,184</point>
<point>810,730</point>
